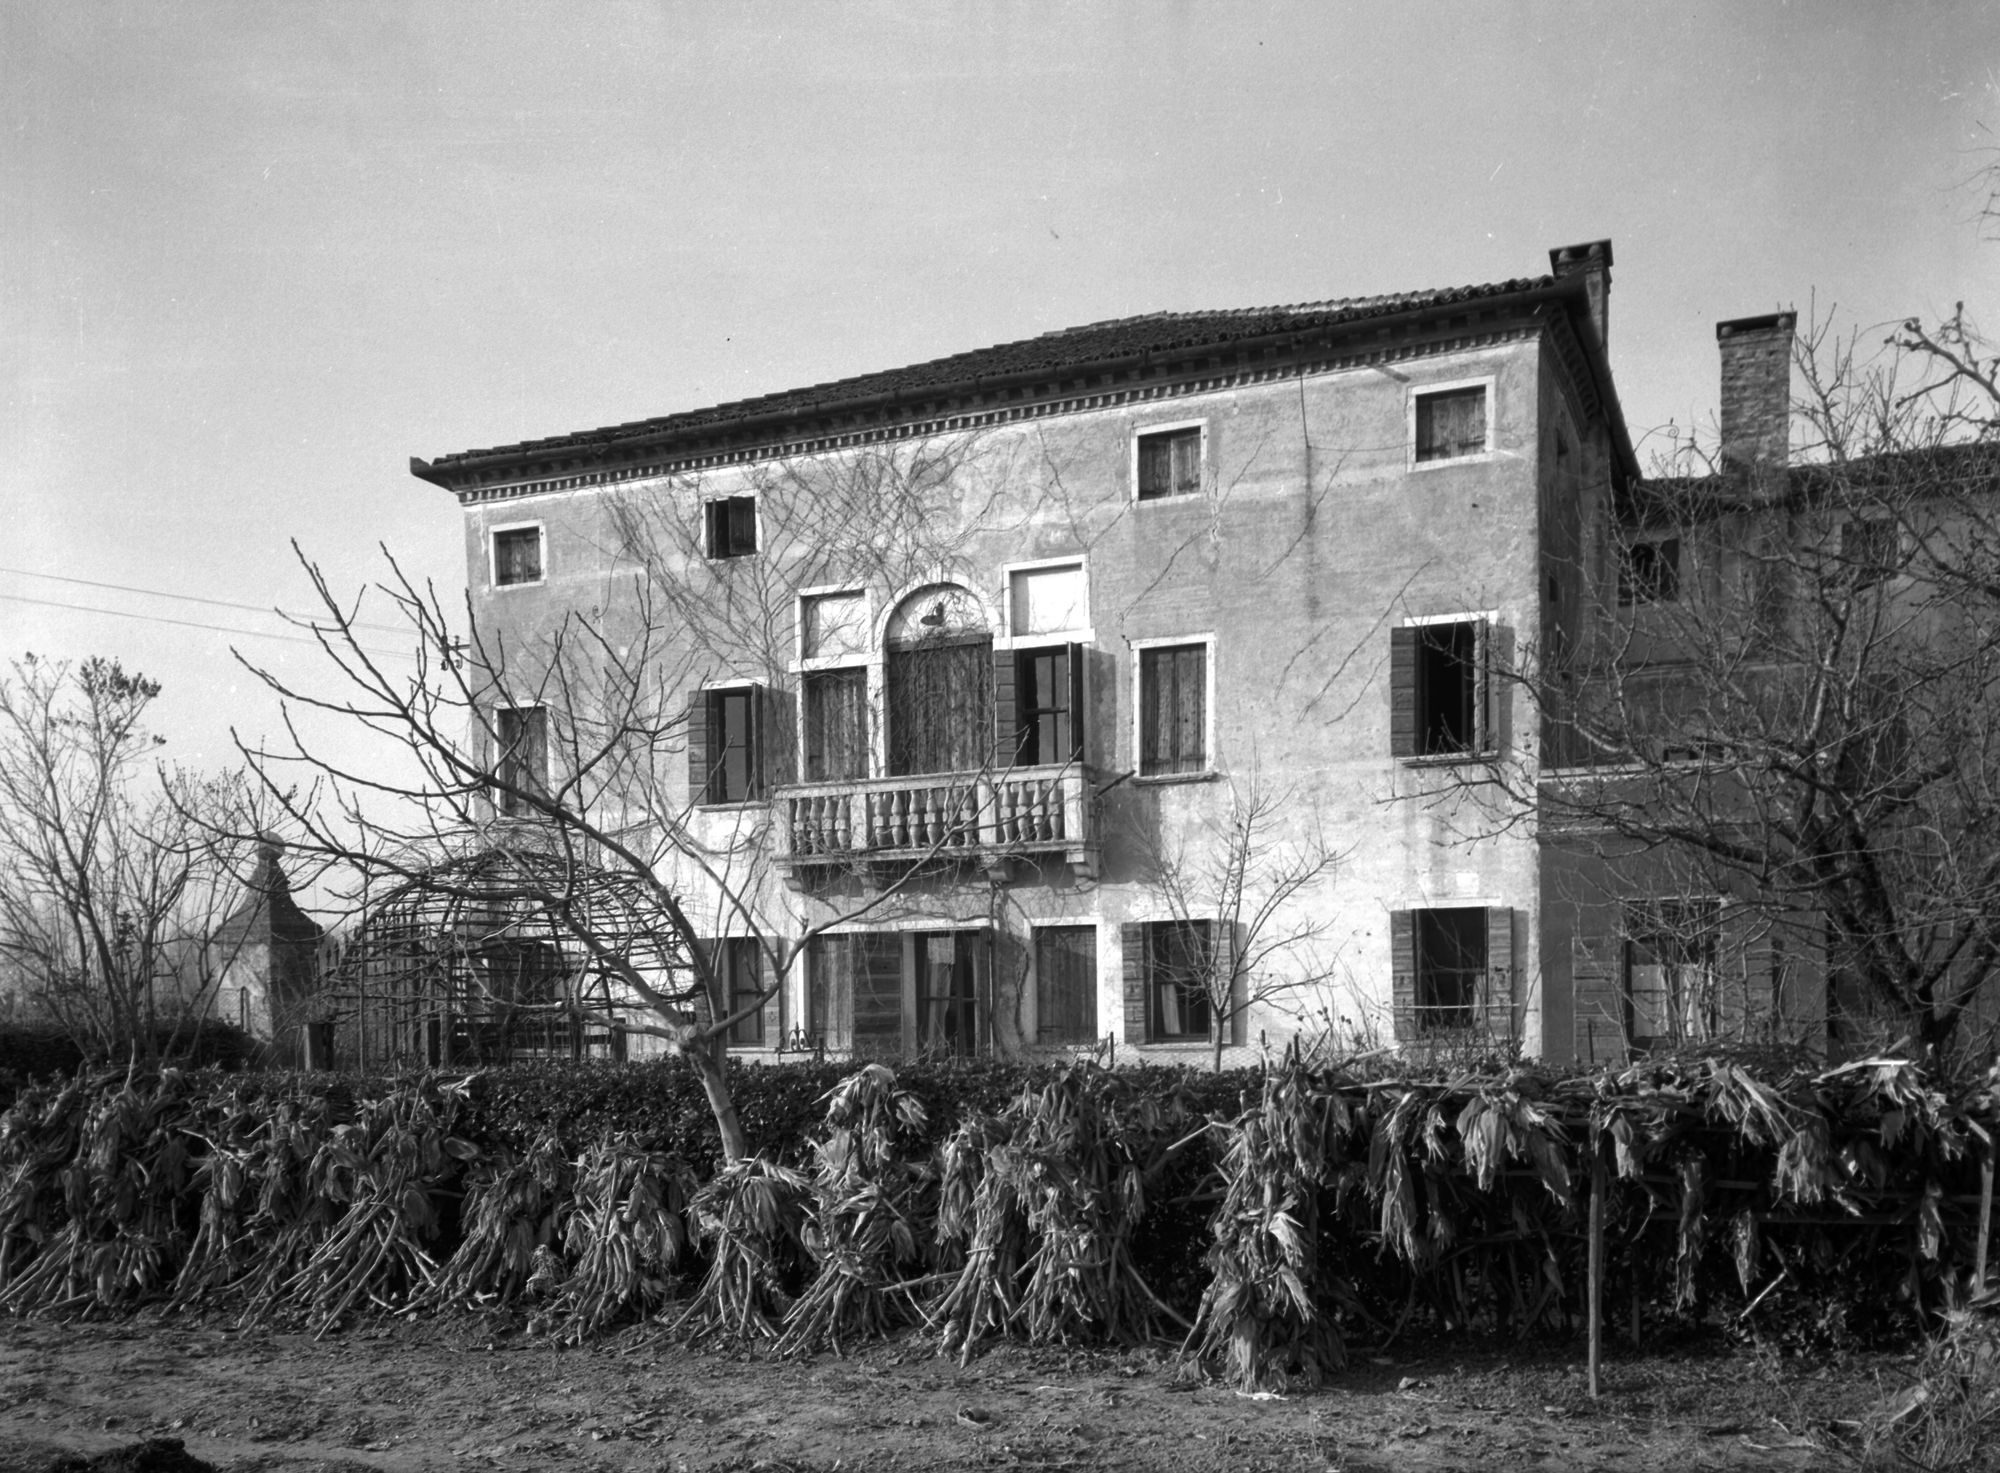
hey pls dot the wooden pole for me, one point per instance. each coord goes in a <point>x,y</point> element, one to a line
<point>1596,1260</point>
<point>1985,1218</point>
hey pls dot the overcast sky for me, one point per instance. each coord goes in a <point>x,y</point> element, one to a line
<point>253,257</point>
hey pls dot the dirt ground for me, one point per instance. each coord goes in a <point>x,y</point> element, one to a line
<point>468,1394</point>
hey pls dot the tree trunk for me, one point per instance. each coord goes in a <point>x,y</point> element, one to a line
<point>715,1085</point>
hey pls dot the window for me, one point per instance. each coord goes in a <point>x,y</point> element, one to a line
<point>1871,550</point>
<point>1173,709</point>
<point>1452,970</point>
<point>1670,993</point>
<point>731,526</point>
<point>1437,689</point>
<point>836,725</point>
<point>1047,724</point>
<point>517,556</point>
<point>854,992</point>
<point>1649,572</point>
<point>948,991</point>
<point>1178,954</point>
<point>723,746</point>
<point>1451,424</point>
<point>1066,985</point>
<point>1170,463</point>
<point>739,966</point>
<point>940,705</point>
<point>523,768</point>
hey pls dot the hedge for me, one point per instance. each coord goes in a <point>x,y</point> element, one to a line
<point>1266,1219</point>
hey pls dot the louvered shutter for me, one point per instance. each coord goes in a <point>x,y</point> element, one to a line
<point>742,524</point>
<point>778,725</point>
<point>706,951</point>
<point>774,1006</point>
<point>878,993</point>
<point>1076,747</point>
<point>1006,713</point>
<point>1132,945</point>
<point>1239,987</point>
<point>1403,692</point>
<point>1498,1002</point>
<point>700,764</point>
<point>1485,692</point>
<point>1403,973</point>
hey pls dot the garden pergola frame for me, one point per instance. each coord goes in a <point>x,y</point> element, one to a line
<point>499,955</point>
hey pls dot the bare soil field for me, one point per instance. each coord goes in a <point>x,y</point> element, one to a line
<point>471,1394</point>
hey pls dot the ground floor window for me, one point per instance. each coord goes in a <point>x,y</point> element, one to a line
<point>1177,980</point>
<point>1066,985</point>
<point>1670,983</point>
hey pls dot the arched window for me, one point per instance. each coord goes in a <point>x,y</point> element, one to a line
<point>939,683</point>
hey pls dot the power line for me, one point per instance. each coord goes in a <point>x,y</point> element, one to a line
<point>189,598</point>
<point>50,603</point>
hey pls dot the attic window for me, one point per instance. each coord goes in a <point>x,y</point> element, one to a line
<point>517,556</point>
<point>1451,424</point>
<point>1170,462</point>
<point>1650,572</point>
<point>731,526</point>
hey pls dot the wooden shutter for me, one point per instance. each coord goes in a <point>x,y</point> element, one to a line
<point>1239,987</point>
<point>1132,943</point>
<point>1498,1002</point>
<point>878,993</point>
<point>707,953</point>
<point>1403,691</point>
<point>774,1006</point>
<point>1403,973</point>
<point>742,524</point>
<point>1075,753</point>
<point>715,528</point>
<point>1006,715</point>
<point>1485,737</point>
<point>700,764</point>
<point>778,726</point>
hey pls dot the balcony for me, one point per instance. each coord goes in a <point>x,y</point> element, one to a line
<point>989,819</point>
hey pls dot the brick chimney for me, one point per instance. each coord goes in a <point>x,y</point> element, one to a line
<point>1756,390</point>
<point>1591,261</point>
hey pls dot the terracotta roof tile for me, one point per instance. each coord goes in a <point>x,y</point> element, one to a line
<point>1052,354</point>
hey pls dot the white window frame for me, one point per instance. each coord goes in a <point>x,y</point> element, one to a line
<point>1167,427</point>
<point>1008,639</point>
<point>1213,769</point>
<point>493,532</point>
<point>1488,382</point>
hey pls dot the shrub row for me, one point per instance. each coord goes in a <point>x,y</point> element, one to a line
<point>1268,1217</point>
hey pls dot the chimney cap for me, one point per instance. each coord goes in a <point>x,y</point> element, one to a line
<point>1770,321</point>
<point>1564,259</point>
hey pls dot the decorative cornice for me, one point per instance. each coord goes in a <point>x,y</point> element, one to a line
<point>961,414</point>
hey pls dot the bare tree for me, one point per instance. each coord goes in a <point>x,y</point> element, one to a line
<point>116,876</point>
<point>1785,705</point>
<point>1249,872</point>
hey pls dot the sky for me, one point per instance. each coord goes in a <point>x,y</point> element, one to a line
<point>254,257</point>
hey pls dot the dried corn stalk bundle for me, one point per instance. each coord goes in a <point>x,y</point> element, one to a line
<point>118,1238</point>
<point>869,1201</point>
<point>223,1251</point>
<point>1043,1204</point>
<point>38,1139</point>
<point>1262,1320</point>
<point>750,1218</point>
<point>512,1208</point>
<point>625,1234</point>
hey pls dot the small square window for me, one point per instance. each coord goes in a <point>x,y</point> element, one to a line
<point>731,526</point>
<point>1649,572</point>
<point>517,556</point>
<point>1871,550</point>
<point>1170,463</point>
<point>1173,709</point>
<point>1451,424</point>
